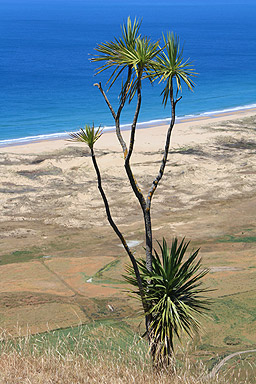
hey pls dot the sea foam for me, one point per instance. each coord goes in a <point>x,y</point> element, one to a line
<point>140,125</point>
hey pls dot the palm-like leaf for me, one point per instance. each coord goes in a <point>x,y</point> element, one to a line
<point>132,52</point>
<point>141,60</point>
<point>87,135</point>
<point>173,293</point>
<point>169,65</point>
<point>113,53</point>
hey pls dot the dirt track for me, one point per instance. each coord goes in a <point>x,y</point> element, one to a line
<point>218,366</point>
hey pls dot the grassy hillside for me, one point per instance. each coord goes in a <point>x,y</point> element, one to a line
<point>104,352</point>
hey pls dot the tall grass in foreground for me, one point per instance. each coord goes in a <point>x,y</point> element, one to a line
<point>81,359</point>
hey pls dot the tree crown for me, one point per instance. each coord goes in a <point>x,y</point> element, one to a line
<point>88,135</point>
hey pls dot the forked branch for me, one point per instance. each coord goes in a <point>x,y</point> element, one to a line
<point>137,191</point>
<point>116,116</point>
<point>106,99</point>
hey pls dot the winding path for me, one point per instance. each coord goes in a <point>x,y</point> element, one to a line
<point>218,366</point>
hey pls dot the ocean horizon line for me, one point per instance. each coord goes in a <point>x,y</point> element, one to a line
<point>140,125</point>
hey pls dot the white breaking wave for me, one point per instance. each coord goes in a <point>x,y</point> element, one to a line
<point>63,135</point>
<point>30,139</point>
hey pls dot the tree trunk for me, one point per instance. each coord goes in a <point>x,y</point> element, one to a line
<point>119,234</point>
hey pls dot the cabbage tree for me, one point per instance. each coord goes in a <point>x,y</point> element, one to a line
<point>131,60</point>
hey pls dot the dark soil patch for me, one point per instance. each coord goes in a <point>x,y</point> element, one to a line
<point>40,172</point>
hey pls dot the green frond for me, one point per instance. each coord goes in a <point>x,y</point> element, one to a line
<point>117,54</point>
<point>173,293</point>
<point>170,65</point>
<point>132,53</point>
<point>87,135</point>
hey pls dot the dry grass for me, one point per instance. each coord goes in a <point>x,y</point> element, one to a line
<point>79,360</point>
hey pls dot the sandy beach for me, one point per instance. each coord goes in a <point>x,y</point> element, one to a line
<point>55,240</point>
<point>211,159</point>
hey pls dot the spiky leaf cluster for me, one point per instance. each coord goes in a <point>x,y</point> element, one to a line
<point>169,65</point>
<point>143,58</point>
<point>87,135</point>
<point>131,52</point>
<point>173,294</point>
<point>113,54</point>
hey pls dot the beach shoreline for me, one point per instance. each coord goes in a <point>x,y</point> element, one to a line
<point>214,155</point>
<point>56,142</point>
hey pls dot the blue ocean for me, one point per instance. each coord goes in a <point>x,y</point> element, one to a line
<point>46,77</point>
